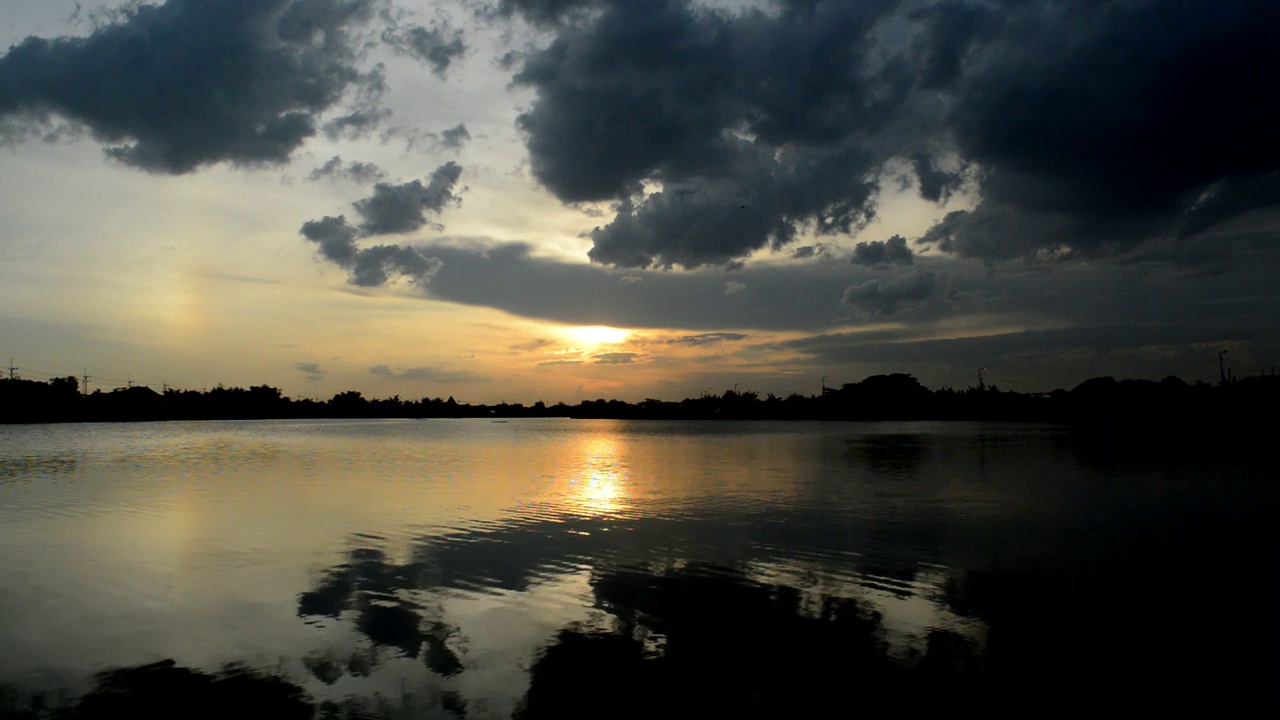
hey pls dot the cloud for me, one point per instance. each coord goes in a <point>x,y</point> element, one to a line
<point>174,87</point>
<point>309,368</point>
<point>752,124</point>
<point>885,297</point>
<point>455,137</point>
<point>543,12</point>
<point>532,345</point>
<point>397,209</point>
<point>615,358</point>
<point>512,278</point>
<point>719,132</point>
<point>557,363</point>
<point>805,252</point>
<point>335,236</point>
<point>431,374</point>
<point>392,209</point>
<point>734,287</point>
<point>706,338</point>
<point>893,251</point>
<point>437,46</point>
<point>1072,155</point>
<point>935,184</point>
<point>1186,349</point>
<point>372,266</point>
<point>358,172</point>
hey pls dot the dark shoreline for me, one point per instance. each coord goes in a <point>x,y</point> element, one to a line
<point>1234,419</point>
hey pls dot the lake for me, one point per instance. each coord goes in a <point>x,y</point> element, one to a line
<point>557,568</point>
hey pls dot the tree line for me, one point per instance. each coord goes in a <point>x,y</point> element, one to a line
<point>1100,401</point>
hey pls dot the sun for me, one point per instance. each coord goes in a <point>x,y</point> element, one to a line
<point>592,335</point>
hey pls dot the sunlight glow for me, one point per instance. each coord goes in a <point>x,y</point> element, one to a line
<point>593,335</point>
<point>599,487</point>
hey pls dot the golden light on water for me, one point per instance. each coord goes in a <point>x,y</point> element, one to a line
<point>599,485</point>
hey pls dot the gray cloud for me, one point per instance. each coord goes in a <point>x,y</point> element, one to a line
<point>437,46</point>
<point>805,252</point>
<point>615,358</point>
<point>532,345</point>
<point>706,338</point>
<point>893,251</point>
<point>396,209</point>
<point>358,172</point>
<point>1034,358</point>
<point>558,363</point>
<point>455,137</point>
<point>335,236</point>
<point>371,266</point>
<point>424,141</point>
<point>431,374</point>
<point>309,368</point>
<point>753,125</point>
<point>173,87</point>
<point>375,266</point>
<point>510,277</point>
<point>885,297</point>
<point>392,209</point>
<point>543,12</point>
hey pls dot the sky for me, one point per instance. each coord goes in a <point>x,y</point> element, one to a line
<point>522,200</point>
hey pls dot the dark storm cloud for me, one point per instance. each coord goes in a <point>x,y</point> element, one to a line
<point>358,172</point>
<point>935,184</point>
<point>438,46</point>
<point>893,251</point>
<point>543,12</point>
<point>396,209</point>
<point>750,123</point>
<point>1081,130</point>
<point>171,88</point>
<point>431,374</point>
<point>885,297</point>
<point>1100,128</point>
<point>392,209</point>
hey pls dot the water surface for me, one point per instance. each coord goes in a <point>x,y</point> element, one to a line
<point>558,568</point>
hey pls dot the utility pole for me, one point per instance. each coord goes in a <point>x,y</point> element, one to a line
<point>12,370</point>
<point>982,381</point>
<point>824,384</point>
<point>86,381</point>
<point>1222,371</point>
<point>129,380</point>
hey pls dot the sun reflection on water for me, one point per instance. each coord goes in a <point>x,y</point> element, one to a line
<point>598,480</point>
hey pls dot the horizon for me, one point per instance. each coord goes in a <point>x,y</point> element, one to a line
<point>1230,379</point>
<point>511,200</point>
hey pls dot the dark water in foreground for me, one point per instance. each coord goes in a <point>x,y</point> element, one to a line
<point>555,568</point>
